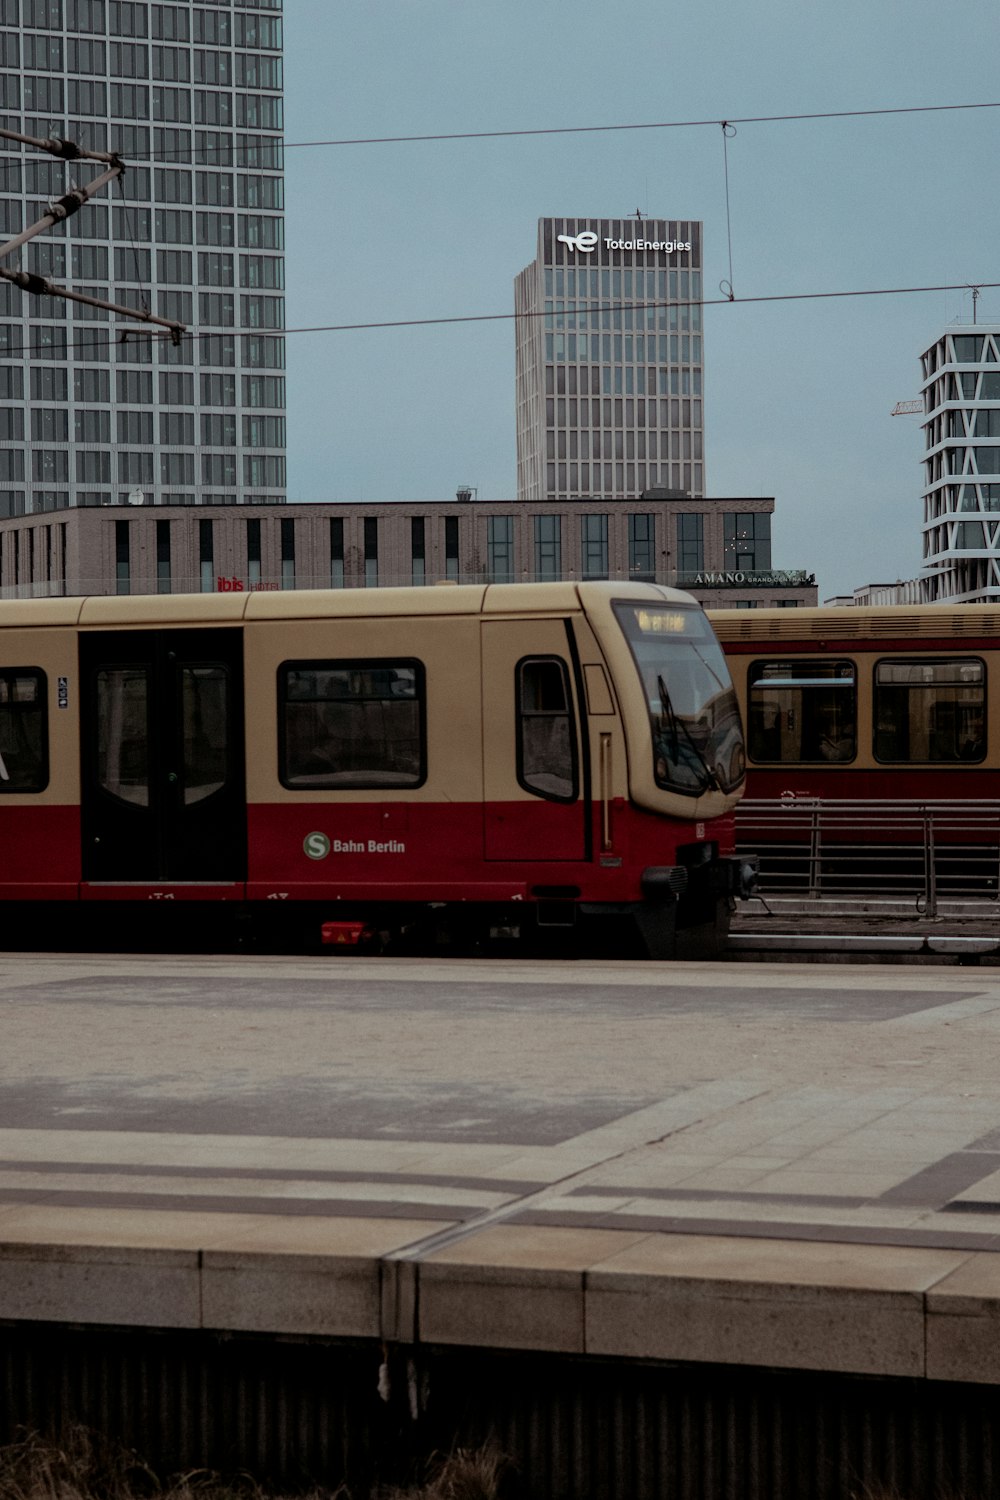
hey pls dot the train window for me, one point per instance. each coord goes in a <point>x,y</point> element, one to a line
<point>697,737</point>
<point>546,741</point>
<point>351,724</point>
<point>697,740</point>
<point>930,710</point>
<point>123,733</point>
<point>24,755</point>
<point>802,711</point>
<point>204,701</point>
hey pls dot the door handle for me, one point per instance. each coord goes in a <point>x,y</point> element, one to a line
<point>605,775</point>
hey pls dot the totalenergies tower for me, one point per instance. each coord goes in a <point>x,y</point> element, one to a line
<point>610,361</point>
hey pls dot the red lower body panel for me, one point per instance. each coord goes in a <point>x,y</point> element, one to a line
<point>435,852</point>
<point>39,853</point>
<point>379,852</point>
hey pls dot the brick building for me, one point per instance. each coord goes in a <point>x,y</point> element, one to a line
<point>720,550</point>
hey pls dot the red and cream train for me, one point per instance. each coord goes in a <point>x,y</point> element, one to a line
<point>898,703</point>
<point>873,744</point>
<point>496,758</point>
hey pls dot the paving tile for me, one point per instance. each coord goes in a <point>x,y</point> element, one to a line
<point>792,1263</point>
<point>984,1190</point>
<point>512,1287</point>
<point>371,1237</point>
<point>859,1182</point>
<point>112,1227</point>
<point>727,1176</point>
<point>155,1229</point>
<point>748,1210</point>
<point>241,1187</point>
<point>963,1323</point>
<point>581,1201</point>
<point>335,1294</point>
<point>162,1148</point>
<point>502,1308</point>
<point>72,1283</point>
<point>505,1245</point>
<point>623,1176</point>
<point>795,1305</point>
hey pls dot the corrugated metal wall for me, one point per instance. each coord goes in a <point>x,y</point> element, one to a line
<point>291,1411</point>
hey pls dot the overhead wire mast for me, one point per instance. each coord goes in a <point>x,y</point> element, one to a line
<point>60,210</point>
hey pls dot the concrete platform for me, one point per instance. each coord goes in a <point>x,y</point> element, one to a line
<point>785,1165</point>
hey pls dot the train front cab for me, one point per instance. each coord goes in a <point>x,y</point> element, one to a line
<point>511,783</point>
<point>503,757</point>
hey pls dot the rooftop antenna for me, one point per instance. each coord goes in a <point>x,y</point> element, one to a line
<point>976,293</point>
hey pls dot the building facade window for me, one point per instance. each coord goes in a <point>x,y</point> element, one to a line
<point>287,554</point>
<point>747,541</point>
<point>594,546</point>
<point>642,548</point>
<point>548,548</point>
<point>163,579</point>
<point>218,429</point>
<point>253,553</point>
<point>371,552</point>
<point>500,549</point>
<point>206,556</point>
<point>691,542</point>
<point>451,548</point>
<point>50,465</point>
<point>336,553</point>
<point>123,581</point>
<point>418,556</point>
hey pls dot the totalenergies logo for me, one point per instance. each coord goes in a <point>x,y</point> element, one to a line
<point>586,241</point>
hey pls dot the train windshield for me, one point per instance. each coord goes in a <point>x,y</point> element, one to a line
<point>697,734</point>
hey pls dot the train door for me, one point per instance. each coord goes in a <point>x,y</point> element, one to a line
<point>163,775</point>
<point>535,766</point>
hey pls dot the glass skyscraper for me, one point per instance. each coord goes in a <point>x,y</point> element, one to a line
<point>94,410</point>
<point>609,360</point>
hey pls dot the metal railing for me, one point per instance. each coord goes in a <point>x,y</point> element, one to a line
<point>925,851</point>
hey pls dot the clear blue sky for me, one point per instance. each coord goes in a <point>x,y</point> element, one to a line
<point>798,395</point>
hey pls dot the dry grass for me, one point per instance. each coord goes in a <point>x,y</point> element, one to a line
<point>890,1492</point>
<point>84,1468</point>
<point>467,1474</point>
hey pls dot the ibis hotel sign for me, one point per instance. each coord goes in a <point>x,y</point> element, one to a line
<point>587,241</point>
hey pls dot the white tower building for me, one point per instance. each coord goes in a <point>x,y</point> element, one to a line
<point>961,390</point>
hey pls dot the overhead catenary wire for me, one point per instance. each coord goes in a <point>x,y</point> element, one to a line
<point>183,154</point>
<point>486,135</point>
<point>194,334</point>
<point>675,302</point>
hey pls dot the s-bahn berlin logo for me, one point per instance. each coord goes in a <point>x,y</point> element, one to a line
<point>318,845</point>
